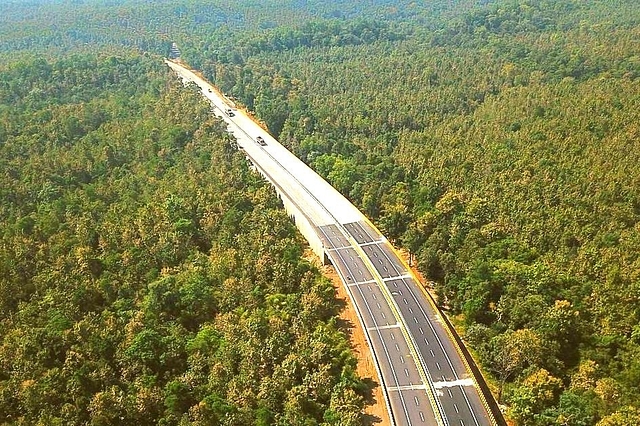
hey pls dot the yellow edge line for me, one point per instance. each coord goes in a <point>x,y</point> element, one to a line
<point>348,291</point>
<point>400,319</point>
<point>392,305</point>
<point>446,326</point>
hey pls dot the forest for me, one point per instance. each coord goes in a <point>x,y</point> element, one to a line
<point>147,274</point>
<point>497,141</point>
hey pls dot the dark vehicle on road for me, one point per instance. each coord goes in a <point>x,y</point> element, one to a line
<point>261,141</point>
<point>229,112</point>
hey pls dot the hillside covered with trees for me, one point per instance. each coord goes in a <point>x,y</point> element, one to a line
<point>497,141</point>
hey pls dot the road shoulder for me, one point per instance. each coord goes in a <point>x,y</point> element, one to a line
<point>375,411</point>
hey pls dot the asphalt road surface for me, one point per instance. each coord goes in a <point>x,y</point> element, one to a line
<point>407,393</point>
<point>424,378</point>
<point>456,394</point>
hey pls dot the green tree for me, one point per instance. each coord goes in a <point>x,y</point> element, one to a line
<point>512,352</point>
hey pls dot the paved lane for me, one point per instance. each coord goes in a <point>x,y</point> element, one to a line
<point>424,378</point>
<point>409,400</point>
<point>455,389</point>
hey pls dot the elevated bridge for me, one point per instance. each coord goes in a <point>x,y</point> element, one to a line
<point>423,371</point>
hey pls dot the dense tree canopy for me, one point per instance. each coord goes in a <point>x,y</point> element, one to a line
<point>501,148</point>
<point>147,275</point>
<point>497,141</point>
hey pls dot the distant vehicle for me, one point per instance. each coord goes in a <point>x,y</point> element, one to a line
<point>209,90</point>
<point>229,112</point>
<point>261,141</point>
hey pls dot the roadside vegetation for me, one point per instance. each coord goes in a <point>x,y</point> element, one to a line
<point>497,141</point>
<point>500,148</point>
<point>147,275</point>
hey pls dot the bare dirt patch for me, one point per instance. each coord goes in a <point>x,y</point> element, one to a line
<point>376,410</point>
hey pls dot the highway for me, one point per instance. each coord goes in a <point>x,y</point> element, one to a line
<point>424,377</point>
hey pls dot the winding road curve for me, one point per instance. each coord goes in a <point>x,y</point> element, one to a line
<point>425,378</point>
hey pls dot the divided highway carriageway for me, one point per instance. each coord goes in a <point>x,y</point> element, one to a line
<point>424,376</point>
